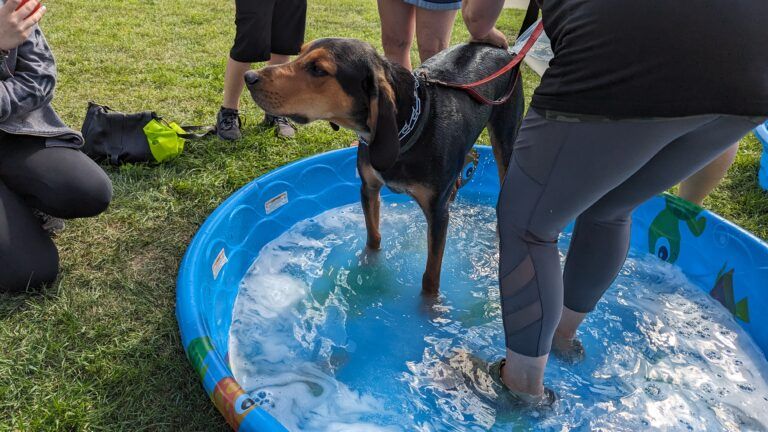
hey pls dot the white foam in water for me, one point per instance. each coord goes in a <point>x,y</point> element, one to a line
<point>327,337</point>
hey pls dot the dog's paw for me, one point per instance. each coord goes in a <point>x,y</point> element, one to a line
<point>430,286</point>
<point>373,244</point>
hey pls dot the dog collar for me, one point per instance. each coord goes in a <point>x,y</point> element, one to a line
<point>412,129</point>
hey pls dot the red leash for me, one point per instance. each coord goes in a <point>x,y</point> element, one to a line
<point>470,88</point>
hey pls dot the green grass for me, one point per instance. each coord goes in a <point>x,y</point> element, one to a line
<point>100,350</point>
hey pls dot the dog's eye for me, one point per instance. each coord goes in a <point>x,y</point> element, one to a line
<point>316,71</point>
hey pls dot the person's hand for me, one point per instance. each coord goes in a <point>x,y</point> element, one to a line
<point>494,37</point>
<point>17,25</point>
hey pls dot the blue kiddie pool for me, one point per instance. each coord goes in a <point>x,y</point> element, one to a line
<point>762,135</point>
<point>234,253</point>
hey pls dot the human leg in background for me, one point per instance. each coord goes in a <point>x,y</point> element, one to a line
<point>433,31</point>
<point>234,83</point>
<point>252,36</point>
<point>59,181</point>
<point>287,36</point>
<point>270,30</point>
<point>398,24</point>
<point>696,187</point>
<point>559,170</point>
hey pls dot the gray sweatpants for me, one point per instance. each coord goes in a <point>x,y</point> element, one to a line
<point>596,171</point>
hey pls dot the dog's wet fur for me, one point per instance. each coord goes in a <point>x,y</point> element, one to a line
<point>345,82</point>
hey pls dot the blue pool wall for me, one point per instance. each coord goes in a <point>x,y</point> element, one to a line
<point>762,136</point>
<point>716,255</point>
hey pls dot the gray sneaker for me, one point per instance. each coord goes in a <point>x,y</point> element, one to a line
<point>51,225</point>
<point>228,124</point>
<point>283,127</point>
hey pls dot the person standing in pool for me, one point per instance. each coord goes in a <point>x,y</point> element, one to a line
<point>266,30</point>
<point>638,96</point>
<point>43,176</point>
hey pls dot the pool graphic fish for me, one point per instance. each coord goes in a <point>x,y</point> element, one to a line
<point>723,292</point>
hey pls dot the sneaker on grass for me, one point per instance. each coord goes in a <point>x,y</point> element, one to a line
<point>53,226</point>
<point>283,127</point>
<point>228,124</point>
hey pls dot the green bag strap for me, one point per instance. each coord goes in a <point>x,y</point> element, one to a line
<point>196,132</point>
<point>190,132</point>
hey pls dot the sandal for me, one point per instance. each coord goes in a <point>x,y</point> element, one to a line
<point>544,400</point>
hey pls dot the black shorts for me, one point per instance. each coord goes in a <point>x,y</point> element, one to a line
<point>268,26</point>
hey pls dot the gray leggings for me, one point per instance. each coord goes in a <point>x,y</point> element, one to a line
<point>598,172</point>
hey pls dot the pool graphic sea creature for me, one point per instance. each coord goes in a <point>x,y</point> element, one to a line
<point>664,235</point>
<point>723,292</point>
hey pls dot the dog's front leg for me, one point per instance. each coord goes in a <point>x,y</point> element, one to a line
<point>437,219</point>
<point>370,199</point>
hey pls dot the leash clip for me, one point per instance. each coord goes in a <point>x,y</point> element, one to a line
<point>423,75</point>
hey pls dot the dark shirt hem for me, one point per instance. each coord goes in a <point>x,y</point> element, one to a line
<point>616,110</point>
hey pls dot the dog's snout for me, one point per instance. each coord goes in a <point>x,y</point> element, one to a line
<point>251,78</point>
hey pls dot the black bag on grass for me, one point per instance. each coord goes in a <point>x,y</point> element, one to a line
<point>119,138</point>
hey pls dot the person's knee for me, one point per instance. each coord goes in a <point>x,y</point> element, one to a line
<point>394,44</point>
<point>86,197</point>
<point>97,197</point>
<point>24,272</point>
<point>430,47</point>
<point>512,231</point>
<point>606,216</point>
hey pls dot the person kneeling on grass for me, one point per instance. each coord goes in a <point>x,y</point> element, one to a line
<point>42,174</point>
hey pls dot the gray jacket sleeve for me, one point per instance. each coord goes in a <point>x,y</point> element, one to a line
<point>33,78</point>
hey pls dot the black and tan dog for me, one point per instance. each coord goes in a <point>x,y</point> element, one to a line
<point>415,135</point>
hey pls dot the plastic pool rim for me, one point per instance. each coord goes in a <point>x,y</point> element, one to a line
<point>676,234</point>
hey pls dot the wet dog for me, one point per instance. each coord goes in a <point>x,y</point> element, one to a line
<point>414,135</point>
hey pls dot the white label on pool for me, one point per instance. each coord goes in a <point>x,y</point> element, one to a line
<point>276,202</point>
<point>218,263</point>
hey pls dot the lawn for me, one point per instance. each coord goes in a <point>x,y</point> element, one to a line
<point>100,349</point>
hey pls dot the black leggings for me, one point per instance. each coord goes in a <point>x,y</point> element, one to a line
<point>62,182</point>
<point>597,172</point>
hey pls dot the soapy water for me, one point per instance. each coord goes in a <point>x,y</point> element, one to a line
<point>328,337</point>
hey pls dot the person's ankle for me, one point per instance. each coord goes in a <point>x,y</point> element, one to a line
<point>521,383</point>
<point>564,335</point>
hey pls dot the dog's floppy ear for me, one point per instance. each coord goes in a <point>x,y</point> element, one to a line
<point>383,145</point>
